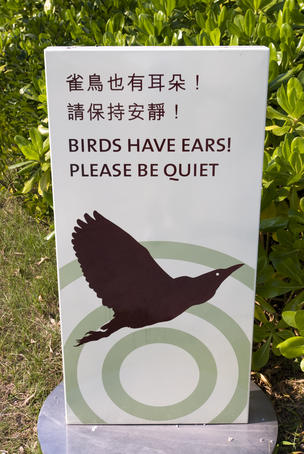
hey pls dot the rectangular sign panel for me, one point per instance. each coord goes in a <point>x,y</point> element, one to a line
<point>157,161</point>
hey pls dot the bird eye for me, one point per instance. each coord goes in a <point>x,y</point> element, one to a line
<point>217,274</point>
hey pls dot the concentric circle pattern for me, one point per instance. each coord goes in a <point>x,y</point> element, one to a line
<point>200,350</point>
<point>202,356</point>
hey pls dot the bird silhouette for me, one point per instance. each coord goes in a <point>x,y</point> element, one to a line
<point>123,273</point>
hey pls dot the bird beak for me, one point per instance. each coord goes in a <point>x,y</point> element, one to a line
<point>231,269</point>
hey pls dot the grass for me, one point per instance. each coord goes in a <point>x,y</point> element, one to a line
<point>30,361</point>
<point>30,351</point>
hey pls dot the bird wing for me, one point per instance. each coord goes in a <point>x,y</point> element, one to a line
<point>114,264</point>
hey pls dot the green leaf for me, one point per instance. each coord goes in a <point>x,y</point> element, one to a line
<point>30,165</point>
<point>47,6</point>
<point>299,320</point>
<point>292,347</point>
<point>45,166</point>
<point>21,142</point>
<point>294,85</point>
<point>275,341</point>
<point>249,22</point>
<point>158,20</point>
<point>261,357</point>
<point>36,139</point>
<point>288,264</point>
<point>292,98</point>
<point>20,164</point>
<point>265,306</point>
<point>282,99</point>
<point>289,318</point>
<point>296,162</point>
<point>147,24</point>
<point>274,114</point>
<point>46,145</point>
<point>30,154</point>
<point>118,22</point>
<point>97,33</point>
<point>278,337</point>
<point>265,271</point>
<point>234,30</point>
<point>47,196</point>
<point>302,365</point>
<point>285,334</point>
<point>273,224</point>
<point>215,36</point>
<point>234,40</point>
<point>108,39</point>
<point>296,97</point>
<point>26,148</point>
<point>200,19</point>
<point>286,238</point>
<point>188,41</point>
<point>286,34</point>
<point>272,52</point>
<point>261,332</point>
<point>294,199</point>
<point>28,185</point>
<point>259,314</point>
<point>283,77</point>
<point>44,182</point>
<point>279,131</point>
<point>256,4</point>
<point>222,18</point>
<point>297,145</point>
<point>170,5</point>
<point>43,130</point>
<point>276,287</point>
<point>294,179</point>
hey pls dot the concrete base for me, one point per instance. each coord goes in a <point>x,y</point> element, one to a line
<point>257,437</point>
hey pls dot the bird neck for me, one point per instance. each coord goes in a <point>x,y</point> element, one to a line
<point>196,290</point>
<point>204,286</point>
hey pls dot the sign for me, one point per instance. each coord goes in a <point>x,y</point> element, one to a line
<point>157,160</point>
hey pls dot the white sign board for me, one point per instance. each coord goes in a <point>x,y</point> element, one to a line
<point>157,160</point>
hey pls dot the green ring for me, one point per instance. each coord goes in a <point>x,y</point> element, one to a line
<point>199,352</point>
<point>218,318</point>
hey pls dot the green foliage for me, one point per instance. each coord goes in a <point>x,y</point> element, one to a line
<point>37,164</point>
<point>27,27</point>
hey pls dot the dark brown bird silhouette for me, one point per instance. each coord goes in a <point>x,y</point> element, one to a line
<point>129,281</point>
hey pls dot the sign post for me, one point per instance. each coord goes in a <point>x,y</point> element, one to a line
<point>157,161</point>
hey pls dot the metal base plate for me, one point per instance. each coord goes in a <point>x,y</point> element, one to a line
<point>257,437</point>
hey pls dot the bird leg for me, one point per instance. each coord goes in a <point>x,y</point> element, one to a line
<point>106,330</point>
<point>90,336</point>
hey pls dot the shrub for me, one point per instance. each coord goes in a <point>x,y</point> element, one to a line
<point>27,27</point>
